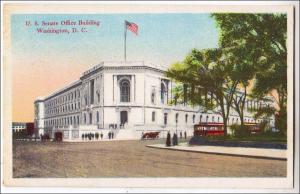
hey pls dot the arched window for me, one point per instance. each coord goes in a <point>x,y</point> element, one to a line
<point>213,119</point>
<point>125,91</point>
<point>153,116</point>
<point>186,118</point>
<point>84,118</point>
<point>98,117</point>
<point>176,117</point>
<point>200,118</point>
<point>207,117</point>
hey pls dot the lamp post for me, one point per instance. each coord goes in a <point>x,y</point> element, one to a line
<point>176,125</point>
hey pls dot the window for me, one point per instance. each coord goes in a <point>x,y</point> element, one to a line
<point>165,118</point>
<point>153,116</point>
<point>176,118</point>
<point>78,120</point>
<point>200,118</point>
<point>194,118</point>
<point>92,91</point>
<point>84,118</point>
<point>85,100</point>
<point>186,118</point>
<point>163,92</point>
<point>98,117</point>
<point>91,118</point>
<point>153,96</point>
<point>98,96</point>
<point>213,119</point>
<point>207,117</point>
<point>125,91</point>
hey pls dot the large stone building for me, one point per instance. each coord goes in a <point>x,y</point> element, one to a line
<point>126,98</point>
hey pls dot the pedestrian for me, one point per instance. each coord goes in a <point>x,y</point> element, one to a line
<point>112,135</point>
<point>168,141</point>
<point>174,140</point>
<point>108,135</point>
<point>184,134</point>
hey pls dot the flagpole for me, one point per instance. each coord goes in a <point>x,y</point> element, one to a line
<point>125,33</point>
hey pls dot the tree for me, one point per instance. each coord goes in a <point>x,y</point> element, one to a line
<point>178,94</point>
<point>262,39</point>
<point>208,77</point>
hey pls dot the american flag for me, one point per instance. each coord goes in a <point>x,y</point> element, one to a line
<point>132,27</point>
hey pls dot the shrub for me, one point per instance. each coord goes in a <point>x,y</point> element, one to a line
<point>97,136</point>
<point>263,126</point>
<point>240,131</point>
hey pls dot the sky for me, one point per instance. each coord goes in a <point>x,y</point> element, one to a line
<point>45,62</point>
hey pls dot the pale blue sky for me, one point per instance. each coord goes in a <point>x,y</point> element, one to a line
<point>162,39</point>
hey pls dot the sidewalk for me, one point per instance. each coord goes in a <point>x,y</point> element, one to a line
<point>232,151</point>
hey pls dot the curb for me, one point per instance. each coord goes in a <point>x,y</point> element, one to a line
<point>217,153</point>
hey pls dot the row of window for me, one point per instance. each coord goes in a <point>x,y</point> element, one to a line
<point>62,99</point>
<point>201,119</point>
<point>64,108</point>
<point>90,118</point>
<point>72,120</point>
<point>92,101</point>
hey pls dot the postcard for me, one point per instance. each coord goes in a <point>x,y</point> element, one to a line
<point>149,95</point>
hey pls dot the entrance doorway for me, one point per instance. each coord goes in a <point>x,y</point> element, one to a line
<point>124,117</point>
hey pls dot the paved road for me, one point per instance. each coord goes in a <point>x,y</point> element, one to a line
<point>132,159</point>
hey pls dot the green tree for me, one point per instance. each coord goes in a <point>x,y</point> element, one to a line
<point>208,77</point>
<point>262,40</point>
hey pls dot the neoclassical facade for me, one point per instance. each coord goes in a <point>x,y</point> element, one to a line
<point>125,98</point>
